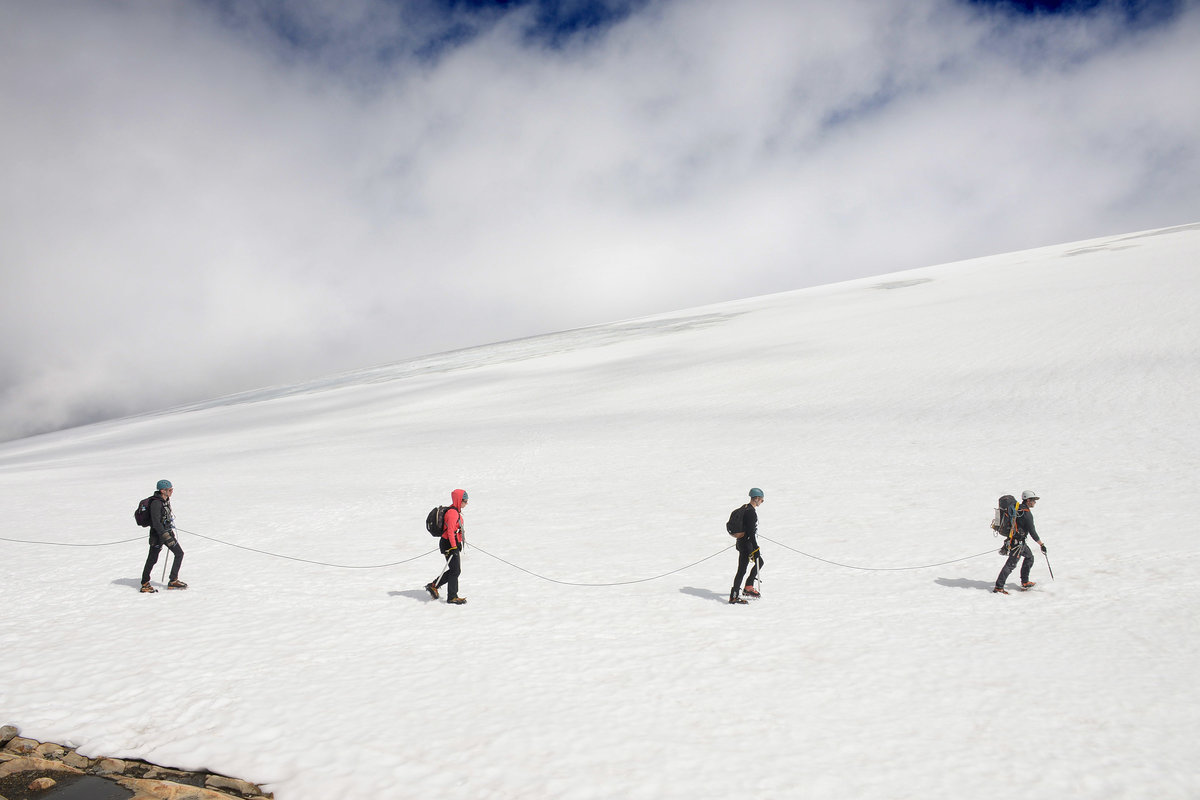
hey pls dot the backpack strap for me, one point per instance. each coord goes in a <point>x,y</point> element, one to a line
<point>1012,528</point>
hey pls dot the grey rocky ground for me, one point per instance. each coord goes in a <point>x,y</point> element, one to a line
<point>29,769</point>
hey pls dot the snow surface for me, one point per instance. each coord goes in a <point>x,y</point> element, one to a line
<point>882,417</point>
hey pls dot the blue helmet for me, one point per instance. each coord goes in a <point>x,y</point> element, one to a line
<point>163,484</point>
<point>756,492</point>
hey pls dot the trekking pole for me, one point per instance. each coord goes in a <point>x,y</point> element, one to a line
<point>1047,557</point>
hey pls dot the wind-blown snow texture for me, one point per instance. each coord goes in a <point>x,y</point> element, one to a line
<point>882,417</point>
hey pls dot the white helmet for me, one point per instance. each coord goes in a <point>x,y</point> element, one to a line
<point>1029,494</point>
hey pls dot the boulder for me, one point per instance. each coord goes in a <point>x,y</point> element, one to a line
<point>156,773</point>
<point>42,784</point>
<point>7,734</point>
<point>108,766</point>
<point>165,790</point>
<point>29,764</point>
<point>51,751</point>
<point>21,746</point>
<point>231,785</point>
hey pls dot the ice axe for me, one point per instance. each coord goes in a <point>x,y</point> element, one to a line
<point>446,566</point>
<point>167,558</point>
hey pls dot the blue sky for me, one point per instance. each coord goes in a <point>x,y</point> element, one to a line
<point>565,23</point>
<point>258,192</point>
<point>562,24</point>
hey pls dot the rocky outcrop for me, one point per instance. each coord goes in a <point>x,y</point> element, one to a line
<point>26,764</point>
<point>31,764</point>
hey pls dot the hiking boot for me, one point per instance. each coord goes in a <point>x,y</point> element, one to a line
<point>177,584</point>
<point>750,590</point>
<point>1027,585</point>
<point>734,599</point>
<point>999,590</point>
<point>147,589</point>
<point>432,589</point>
<point>457,601</point>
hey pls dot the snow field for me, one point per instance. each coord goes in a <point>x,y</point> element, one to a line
<point>882,417</point>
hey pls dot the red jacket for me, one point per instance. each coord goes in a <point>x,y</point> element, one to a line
<point>452,521</point>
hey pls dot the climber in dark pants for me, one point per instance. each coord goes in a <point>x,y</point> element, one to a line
<point>1017,549</point>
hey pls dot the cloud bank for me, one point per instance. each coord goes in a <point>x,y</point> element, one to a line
<point>204,197</point>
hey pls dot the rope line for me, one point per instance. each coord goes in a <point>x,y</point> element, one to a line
<point>615,583</point>
<point>306,560</point>
<point>505,561</point>
<point>70,544</point>
<point>875,569</point>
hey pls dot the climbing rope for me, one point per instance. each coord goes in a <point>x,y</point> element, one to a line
<point>306,560</point>
<point>509,563</point>
<point>614,583</point>
<point>874,569</point>
<point>71,544</point>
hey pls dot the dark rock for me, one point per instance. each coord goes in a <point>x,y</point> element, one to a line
<point>7,734</point>
<point>173,775</point>
<point>50,751</point>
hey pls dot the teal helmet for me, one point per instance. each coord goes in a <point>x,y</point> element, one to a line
<point>756,493</point>
<point>163,484</point>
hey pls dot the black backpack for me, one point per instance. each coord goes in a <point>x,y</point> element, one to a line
<point>735,527</point>
<point>1004,521</point>
<point>433,522</point>
<point>142,515</point>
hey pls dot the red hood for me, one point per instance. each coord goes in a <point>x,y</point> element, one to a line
<point>457,498</point>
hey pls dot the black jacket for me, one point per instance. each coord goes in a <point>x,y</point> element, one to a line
<point>750,521</point>
<point>162,521</point>
<point>1025,525</point>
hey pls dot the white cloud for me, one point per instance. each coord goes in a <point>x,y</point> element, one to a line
<point>181,184</point>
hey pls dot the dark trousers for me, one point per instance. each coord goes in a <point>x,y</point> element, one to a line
<point>747,548</point>
<point>152,559</point>
<point>1016,552</point>
<point>449,578</point>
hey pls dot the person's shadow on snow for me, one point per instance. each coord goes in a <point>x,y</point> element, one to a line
<point>963,583</point>
<point>705,594</point>
<point>415,594</point>
<point>132,583</point>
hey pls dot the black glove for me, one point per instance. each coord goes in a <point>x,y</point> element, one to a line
<point>1043,549</point>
